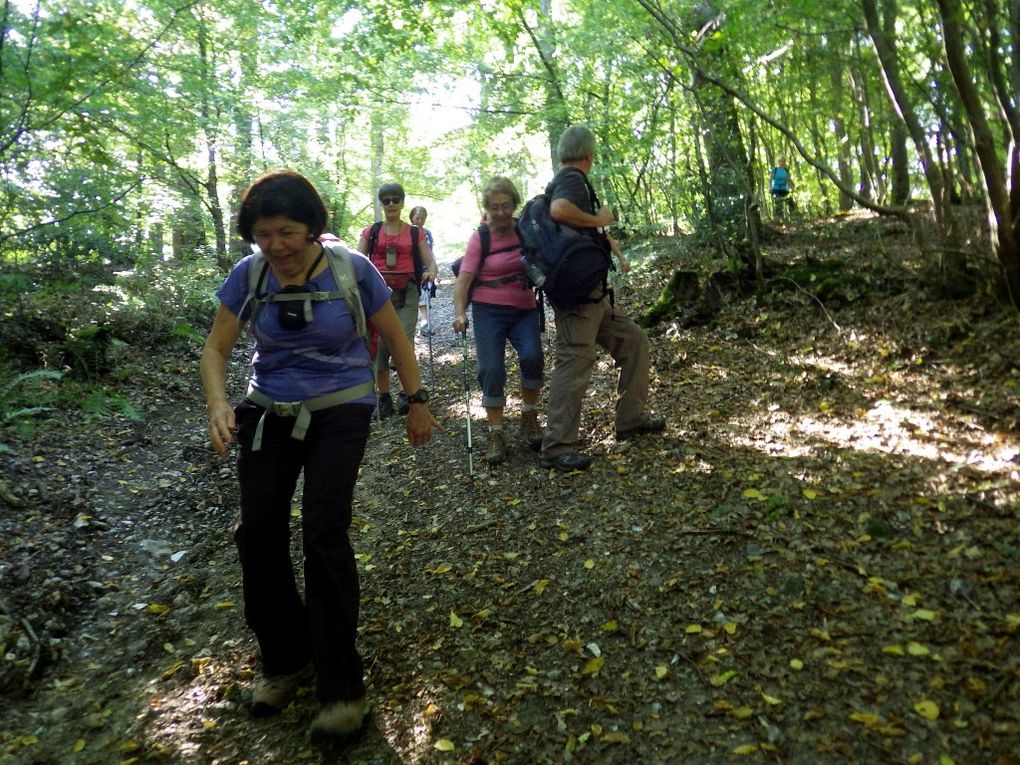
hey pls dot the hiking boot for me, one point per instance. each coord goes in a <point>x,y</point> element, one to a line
<point>653,423</point>
<point>340,718</point>
<point>272,694</point>
<point>385,405</point>
<point>531,431</point>
<point>403,405</point>
<point>567,462</point>
<point>497,448</point>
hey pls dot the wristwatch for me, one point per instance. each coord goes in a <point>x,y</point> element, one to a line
<point>420,397</point>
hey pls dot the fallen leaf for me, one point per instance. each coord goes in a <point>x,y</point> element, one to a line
<point>444,745</point>
<point>661,671</point>
<point>540,586</point>
<point>722,678</point>
<point>455,621</point>
<point>927,708</point>
<point>745,749</point>
<point>593,666</point>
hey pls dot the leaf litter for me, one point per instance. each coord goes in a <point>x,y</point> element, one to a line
<point>817,562</point>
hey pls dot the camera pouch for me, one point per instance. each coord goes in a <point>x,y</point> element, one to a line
<point>295,311</point>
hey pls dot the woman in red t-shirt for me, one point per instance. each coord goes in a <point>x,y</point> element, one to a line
<point>393,256</point>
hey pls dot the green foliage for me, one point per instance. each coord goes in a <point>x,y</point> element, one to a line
<point>27,394</point>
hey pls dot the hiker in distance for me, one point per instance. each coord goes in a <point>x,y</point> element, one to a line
<point>491,277</point>
<point>593,322</point>
<point>418,216</point>
<point>308,407</point>
<point>780,186</point>
<point>403,257</point>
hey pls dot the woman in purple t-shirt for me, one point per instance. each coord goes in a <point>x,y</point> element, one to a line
<point>308,410</point>
<point>503,308</point>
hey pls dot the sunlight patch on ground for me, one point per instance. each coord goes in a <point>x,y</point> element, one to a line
<point>886,428</point>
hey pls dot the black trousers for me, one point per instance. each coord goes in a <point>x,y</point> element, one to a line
<point>323,625</point>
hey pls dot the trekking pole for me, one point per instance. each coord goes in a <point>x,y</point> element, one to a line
<point>429,330</point>
<point>467,402</point>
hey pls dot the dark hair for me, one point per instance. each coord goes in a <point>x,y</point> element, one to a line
<point>417,209</point>
<point>286,193</point>
<point>391,190</point>
<point>576,143</point>
<point>500,185</point>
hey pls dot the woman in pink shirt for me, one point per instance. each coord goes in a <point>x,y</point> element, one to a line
<point>503,308</point>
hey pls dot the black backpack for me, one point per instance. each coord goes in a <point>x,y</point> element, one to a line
<point>565,263</point>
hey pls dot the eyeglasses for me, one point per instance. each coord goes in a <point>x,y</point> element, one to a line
<point>505,207</point>
<point>391,200</point>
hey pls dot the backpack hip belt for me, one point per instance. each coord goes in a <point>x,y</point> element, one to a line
<point>502,280</point>
<point>302,410</point>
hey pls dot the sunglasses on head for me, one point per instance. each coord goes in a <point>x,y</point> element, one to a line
<point>391,200</point>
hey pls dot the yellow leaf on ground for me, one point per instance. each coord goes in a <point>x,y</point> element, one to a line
<point>589,564</point>
<point>742,713</point>
<point>693,629</point>
<point>730,627</point>
<point>444,745</point>
<point>722,678</point>
<point>79,745</point>
<point>796,664</point>
<point>540,586</point>
<point>224,605</point>
<point>809,493</point>
<point>945,759</point>
<point>922,614</point>
<point>610,626</point>
<point>442,568</point>
<point>917,649</point>
<point>894,650</point>
<point>745,749</point>
<point>865,718</point>
<point>753,494</point>
<point>593,666</point>
<point>927,708</point>
<point>455,621</point>
<point>158,608</point>
<point>771,699</point>
<point>661,671</point>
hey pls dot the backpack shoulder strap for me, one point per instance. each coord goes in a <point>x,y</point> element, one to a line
<point>373,238</point>
<point>485,236</point>
<point>342,265</point>
<point>257,271</point>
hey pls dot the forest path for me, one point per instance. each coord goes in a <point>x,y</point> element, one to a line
<point>816,562</point>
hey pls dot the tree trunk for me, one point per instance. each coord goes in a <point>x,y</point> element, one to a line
<point>1003,217</point>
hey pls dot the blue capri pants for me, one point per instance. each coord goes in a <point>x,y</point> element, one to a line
<point>494,326</point>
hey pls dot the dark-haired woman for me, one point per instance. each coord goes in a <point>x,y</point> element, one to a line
<point>393,255</point>
<point>302,364</point>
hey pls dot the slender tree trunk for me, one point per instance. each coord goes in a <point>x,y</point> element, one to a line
<point>1004,221</point>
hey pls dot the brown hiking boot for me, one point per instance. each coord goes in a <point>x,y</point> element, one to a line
<point>497,448</point>
<point>531,431</point>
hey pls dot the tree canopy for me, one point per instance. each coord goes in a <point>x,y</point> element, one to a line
<point>127,130</point>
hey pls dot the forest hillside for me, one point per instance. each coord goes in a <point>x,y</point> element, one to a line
<point>816,562</point>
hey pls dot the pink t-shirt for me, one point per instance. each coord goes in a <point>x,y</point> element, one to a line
<point>497,265</point>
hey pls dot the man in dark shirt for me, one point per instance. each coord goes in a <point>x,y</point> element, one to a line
<point>579,328</point>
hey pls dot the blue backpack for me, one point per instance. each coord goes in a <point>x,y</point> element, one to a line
<point>565,263</point>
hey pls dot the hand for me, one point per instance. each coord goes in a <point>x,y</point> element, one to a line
<point>605,216</point>
<point>222,427</point>
<point>623,262</point>
<point>419,424</point>
<point>460,324</point>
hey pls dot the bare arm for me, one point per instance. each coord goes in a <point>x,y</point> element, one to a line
<point>220,342</point>
<point>564,211</point>
<point>420,421</point>
<point>460,293</point>
<point>429,260</point>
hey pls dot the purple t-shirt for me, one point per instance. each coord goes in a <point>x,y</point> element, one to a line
<point>327,355</point>
<point>516,294</point>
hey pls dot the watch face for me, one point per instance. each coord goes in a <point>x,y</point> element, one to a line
<point>421,397</point>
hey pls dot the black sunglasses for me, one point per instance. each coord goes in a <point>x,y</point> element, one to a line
<point>391,200</point>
